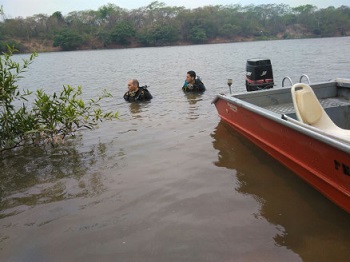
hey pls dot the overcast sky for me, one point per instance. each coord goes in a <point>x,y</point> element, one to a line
<point>24,8</point>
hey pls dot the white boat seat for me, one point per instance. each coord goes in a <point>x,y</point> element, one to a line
<point>309,111</point>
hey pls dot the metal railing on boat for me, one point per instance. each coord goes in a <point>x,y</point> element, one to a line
<point>306,76</point>
<point>301,78</point>
<point>290,80</point>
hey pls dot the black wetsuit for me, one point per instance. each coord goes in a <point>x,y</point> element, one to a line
<point>198,86</point>
<point>142,94</point>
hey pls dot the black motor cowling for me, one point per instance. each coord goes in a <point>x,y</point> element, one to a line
<point>259,74</point>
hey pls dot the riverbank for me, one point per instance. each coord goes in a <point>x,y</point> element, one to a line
<point>43,45</point>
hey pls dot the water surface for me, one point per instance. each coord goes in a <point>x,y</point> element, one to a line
<point>168,181</point>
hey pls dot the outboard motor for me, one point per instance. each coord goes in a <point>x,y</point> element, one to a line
<point>258,74</point>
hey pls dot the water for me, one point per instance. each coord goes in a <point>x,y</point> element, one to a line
<point>168,181</point>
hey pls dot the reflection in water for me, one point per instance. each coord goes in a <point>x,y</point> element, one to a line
<point>193,98</point>
<point>306,220</point>
<point>135,108</point>
<point>176,204</point>
<point>34,175</point>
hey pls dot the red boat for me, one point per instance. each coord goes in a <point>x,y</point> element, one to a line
<point>304,127</point>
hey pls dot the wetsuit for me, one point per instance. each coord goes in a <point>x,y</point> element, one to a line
<point>198,86</point>
<point>142,94</point>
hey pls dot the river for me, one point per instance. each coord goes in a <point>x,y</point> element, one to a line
<point>168,181</point>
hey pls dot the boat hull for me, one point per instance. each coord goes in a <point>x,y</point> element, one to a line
<point>324,166</point>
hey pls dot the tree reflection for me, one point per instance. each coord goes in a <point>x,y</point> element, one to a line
<point>306,220</point>
<point>35,175</point>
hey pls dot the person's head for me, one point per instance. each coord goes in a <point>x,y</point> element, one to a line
<point>133,85</point>
<point>191,76</point>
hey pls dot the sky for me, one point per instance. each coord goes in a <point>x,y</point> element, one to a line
<point>25,8</point>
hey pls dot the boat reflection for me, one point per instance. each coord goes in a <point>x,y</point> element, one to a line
<point>303,216</point>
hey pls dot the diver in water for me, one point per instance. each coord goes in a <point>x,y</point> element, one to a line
<point>193,83</point>
<point>137,92</point>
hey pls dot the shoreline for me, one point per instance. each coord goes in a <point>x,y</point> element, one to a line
<point>46,46</point>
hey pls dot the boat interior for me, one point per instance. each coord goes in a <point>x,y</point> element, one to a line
<point>329,101</point>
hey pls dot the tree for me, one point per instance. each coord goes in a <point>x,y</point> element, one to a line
<point>108,15</point>
<point>55,23</point>
<point>67,40</point>
<point>50,118</point>
<point>159,35</point>
<point>157,24</point>
<point>230,24</point>
<point>122,33</point>
<point>198,35</point>
<point>1,11</point>
<point>331,21</point>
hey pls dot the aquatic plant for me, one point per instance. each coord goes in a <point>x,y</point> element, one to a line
<point>49,118</point>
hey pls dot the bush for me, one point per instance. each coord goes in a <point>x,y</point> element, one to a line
<point>50,118</point>
<point>198,35</point>
<point>67,40</point>
<point>18,46</point>
<point>122,33</point>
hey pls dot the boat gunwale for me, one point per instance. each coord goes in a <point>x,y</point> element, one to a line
<point>281,119</point>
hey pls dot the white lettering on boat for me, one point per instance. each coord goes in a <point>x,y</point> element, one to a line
<point>232,107</point>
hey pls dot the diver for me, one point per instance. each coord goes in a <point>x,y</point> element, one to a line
<point>193,83</point>
<point>137,92</point>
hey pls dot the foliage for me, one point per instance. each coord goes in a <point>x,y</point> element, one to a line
<point>159,35</point>
<point>4,44</point>
<point>157,24</point>
<point>67,40</point>
<point>198,35</point>
<point>50,118</point>
<point>122,33</point>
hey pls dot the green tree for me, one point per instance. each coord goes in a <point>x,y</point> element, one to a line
<point>198,35</point>
<point>165,34</point>
<point>50,118</point>
<point>5,43</point>
<point>230,21</point>
<point>67,40</point>
<point>122,33</point>
<point>159,35</point>
<point>229,30</point>
<point>332,21</point>
<point>109,15</point>
<point>158,24</point>
<point>55,23</point>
